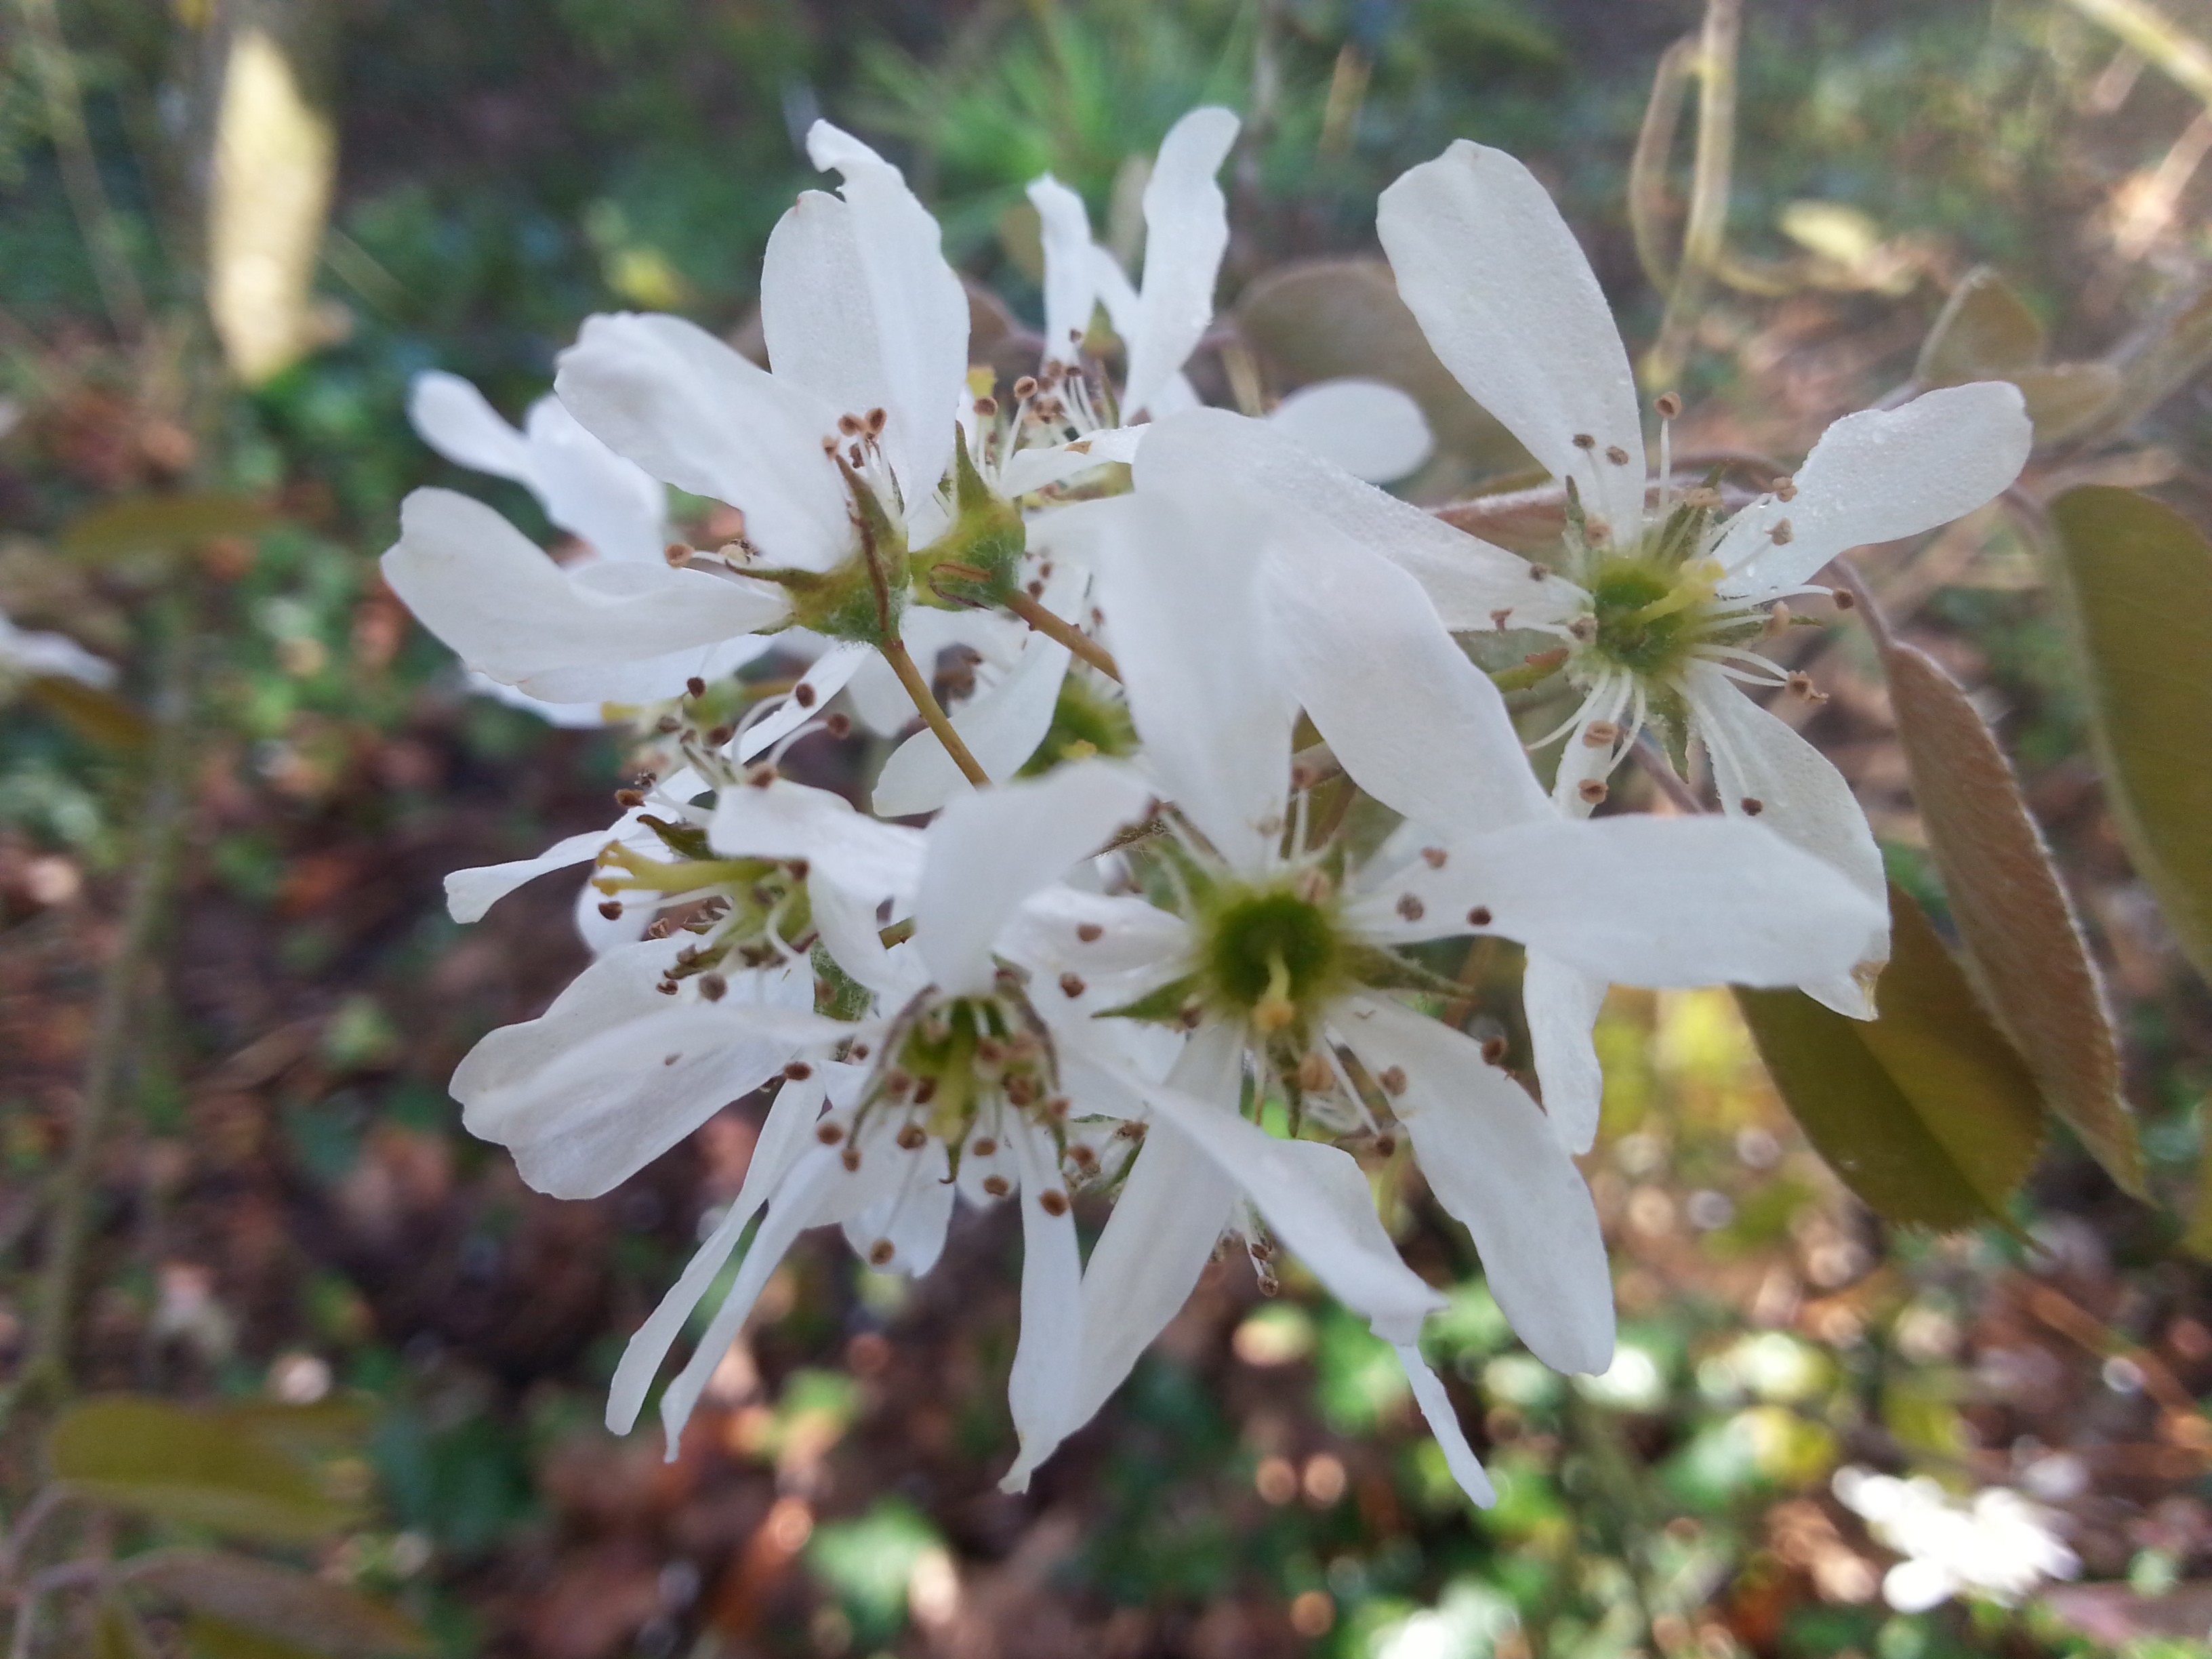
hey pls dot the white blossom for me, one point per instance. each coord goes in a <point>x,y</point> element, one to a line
<point>1995,1544</point>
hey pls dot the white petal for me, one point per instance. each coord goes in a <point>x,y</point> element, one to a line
<point>32,652</point>
<point>1130,936</point>
<point>1051,1342</point>
<point>602,933</point>
<point>570,636</point>
<point>919,309</point>
<point>470,893</point>
<point>1417,725</point>
<point>1071,292</point>
<point>783,819</point>
<point>1878,474</point>
<point>1467,580</point>
<point>568,716</point>
<point>1641,900</point>
<point>825,677</point>
<point>695,413</point>
<point>1562,1005</point>
<point>1369,428</point>
<point>911,1219</point>
<point>1444,1423</point>
<point>1493,1162</point>
<point>613,1073</point>
<point>1502,289</point>
<point>451,415</point>
<point>1177,578</point>
<point>590,491</point>
<point>989,850</point>
<point>784,1137</point>
<point>1803,799</point>
<point>1186,233</point>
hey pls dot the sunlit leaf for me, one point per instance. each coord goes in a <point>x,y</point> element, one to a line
<point>2022,941</point>
<point>1318,319</point>
<point>91,712</point>
<point>1985,332</point>
<point>1928,1114</point>
<point>216,1639</point>
<point>328,1426</point>
<point>278,1604</point>
<point>2064,398</point>
<point>179,1465</point>
<point>2135,580</point>
<point>140,526</point>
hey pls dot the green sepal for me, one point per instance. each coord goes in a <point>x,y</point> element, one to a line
<point>837,994</point>
<point>1164,1005</point>
<point>686,840</point>
<point>1380,969</point>
<point>1685,527</point>
<point>976,563</point>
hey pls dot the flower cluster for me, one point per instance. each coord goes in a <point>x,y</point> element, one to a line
<point>1216,763</point>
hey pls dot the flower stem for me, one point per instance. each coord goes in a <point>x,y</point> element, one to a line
<point>1063,632</point>
<point>933,712</point>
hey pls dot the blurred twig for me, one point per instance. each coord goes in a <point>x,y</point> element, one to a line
<point>1705,232</point>
<point>2184,58</point>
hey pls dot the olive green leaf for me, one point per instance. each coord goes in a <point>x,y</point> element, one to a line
<point>217,1638</point>
<point>2023,947</point>
<point>92,713</point>
<point>1927,1113</point>
<point>275,1604</point>
<point>2135,579</point>
<point>116,1633</point>
<point>140,528</point>
<point>176,1464</point>
<point>1986,332</point>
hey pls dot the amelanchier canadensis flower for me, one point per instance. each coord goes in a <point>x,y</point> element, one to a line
<point>29,653</point>
<point>1142,958</point>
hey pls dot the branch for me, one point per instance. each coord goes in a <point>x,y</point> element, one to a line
<point>1059,630</point>
<point>932,713</point>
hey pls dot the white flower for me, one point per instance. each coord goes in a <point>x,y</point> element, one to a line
<point>1671,593</point>
<point>28,655</point>
<point>1995,1544</point>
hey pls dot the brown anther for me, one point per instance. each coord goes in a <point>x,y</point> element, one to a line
<point>658,930</point>
<point>611,909</point>
<point>859,1051</point>
<point>1784,487</point>
<point>1800,685</point>
<point>997,1186</point>
<point>1052,1201</point>
<point>1753,806</point>
<point>986,407</point>
<point>1385,1144</point>
<point>1596,531</point>
<point>1584,441</point>
<point>678,552</point>
<point>667,723</point>
<point>1082,1157</point>
<point>1845,600</point>
<point>804,695</point>
<point>911,1137</point>
<point>1313,1073</point>
<point>799,1070</point>
<point>1059,1106</point>
<point>1070,985</point>
<point>850,1158</point>
<point>799,868</point>
<point>762,775</point>
<point>695,687</point>
<point>627,799</point>
<point>984,1146</point>
<point>1668,406</point>
<point>1494,1049</point>
<point>1434,857</point>
<point>666,988</point>
<point>1393,1080</point>
<point>1034,589</point>
<point>1538,571</point>
<point>1479,917</point>
<point>1026,388</point>
<point>1089,932</point>
<point>1617,455</point>
<point>829,446</point>
<point>990,1051</point>
<point>829,1135</point>
<point>1500,618</point>
<point>849,425</point>
<point>713,986</point>
<point>925,1090</point>
<point>881,1252</point>
<point>1779,532</point>
<point>1190,1016</point>
<point>1583,628</point>
<point>877,417</point>
<point>1410,905</point>
<point>1592,790</point>
<point>1021,1090</point>
<point>720,735</point>
<point>1601,734</point>
<point>838,726</point>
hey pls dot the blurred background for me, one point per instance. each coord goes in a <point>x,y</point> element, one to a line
<point>230,996</point>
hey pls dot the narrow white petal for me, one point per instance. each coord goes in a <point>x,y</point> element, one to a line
<point>1879,475</point>
<point>1369,428</point>
<point>1071,291</point>
<point>1802,799</point>
<point>588,490</point>
<point>1500,287</point>
<point>1002,724</point>
<point>1444,1423</point>
<point>784,1137</point>
<point>783,819</point>
<point>32,652</point>
<point>1417,725</point>
<point>1640,900</point>
<point>989,850</point>
<point>1562,1005</point>
<point>1494,1162</point>
<point>918,308</point>
<point>470,893</point>
<point>1186,234</point>
<point>1178,579</point>
<point>602,933</point>
<point>911,1219</point>
<point>451,415</point>
<point>1467,580</point>
<point>1051,1343</point>
<point>825,677</point>
<point>578,635</point>
<point>1128,936</point>
<point>693,412</point>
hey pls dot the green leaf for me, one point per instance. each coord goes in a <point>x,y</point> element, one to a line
<point>216,1639</point>
<point>326,1428</point>
<point>92,713</point>
<point>1928,1114</point>
<point>140,526</point>
<point>175,1464</point>
<point>2135,580</point>
<point>2022,942</point>
<point>2064,398</point>
<point>1986,332</point>
<point>1317,318</point>
<point>275,1604</point>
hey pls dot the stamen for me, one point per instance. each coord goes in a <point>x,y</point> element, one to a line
<point>1752,805</point>
<point>1393,1077</point>
<point>1478,916</point>
<point>1592,790</point>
